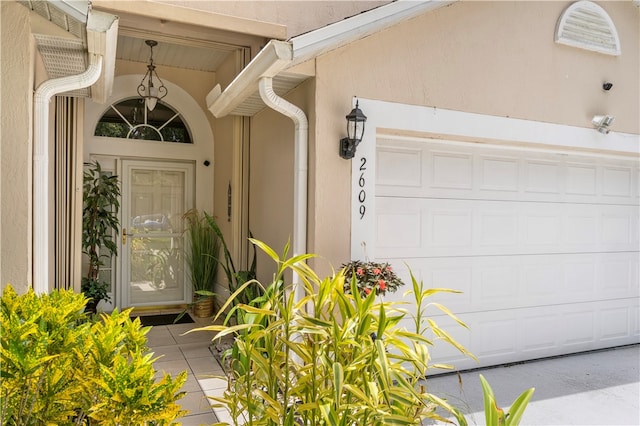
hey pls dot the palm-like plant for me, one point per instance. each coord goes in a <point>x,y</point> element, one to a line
<point>201,254</point>
<point>329,358</point>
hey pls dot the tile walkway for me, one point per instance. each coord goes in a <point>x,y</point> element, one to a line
<point>598,388</point>
<point>179,352</point>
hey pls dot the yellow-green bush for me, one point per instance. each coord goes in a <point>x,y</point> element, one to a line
<point>59,368</point>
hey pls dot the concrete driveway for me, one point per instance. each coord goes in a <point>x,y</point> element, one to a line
<point>593,388</point>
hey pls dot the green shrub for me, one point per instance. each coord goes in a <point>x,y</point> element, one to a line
<point>494,415</point>
<point>330,358</point>
<point>59,368</point>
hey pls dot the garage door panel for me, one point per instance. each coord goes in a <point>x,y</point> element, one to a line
<point>543,245</point>
<point>498,173</point>
<point>581,181</point>
<point>614,323</point>
<point>635,321</point>
<point>617,181</point>
<point>434,227</point>
<point>410,168</point>
<point>498,283</point>
<point>399,167</point>
<point>618,275</point>
<point>514,335</point>
<point>542,180</point>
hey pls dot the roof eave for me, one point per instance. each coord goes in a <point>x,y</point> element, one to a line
<point>272,59</point>
<point>307,46</point>
<point>102,37</point>
<point>314,43</point>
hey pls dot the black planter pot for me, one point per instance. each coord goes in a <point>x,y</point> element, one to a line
<point>91,307</point>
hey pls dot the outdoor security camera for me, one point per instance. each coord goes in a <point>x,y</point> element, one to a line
<point>602,123</point>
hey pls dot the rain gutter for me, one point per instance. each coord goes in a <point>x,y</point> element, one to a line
<point>301,137</point>
<point>102,29</point>
<point>278,56</point>
<point>43,95</point>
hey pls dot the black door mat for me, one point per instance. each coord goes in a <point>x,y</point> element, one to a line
<point>165,319</point>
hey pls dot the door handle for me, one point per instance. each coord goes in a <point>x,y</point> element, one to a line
<point>124,236</point>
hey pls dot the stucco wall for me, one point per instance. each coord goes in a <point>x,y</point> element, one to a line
<point>15,148</point>
<point>498,58</point>
<point>299,16</point>
<point>495,58</point>
<point>272,174</point>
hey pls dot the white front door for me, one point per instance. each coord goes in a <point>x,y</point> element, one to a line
<point>155,196</point>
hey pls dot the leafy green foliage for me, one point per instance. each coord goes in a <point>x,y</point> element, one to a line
<point>243,280</point>
<point>202,253</point>
<point>494,415</point>
<point>101,194</point>
<point>57,367</point>
<point>328,357</point>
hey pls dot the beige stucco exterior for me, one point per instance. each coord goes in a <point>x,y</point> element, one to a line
<point>495,58</point>
<point>492,58</point>
<point>15,149</point>
<point>296,17</point>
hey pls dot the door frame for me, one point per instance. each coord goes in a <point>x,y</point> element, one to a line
<point>111,151</point>
<point>122,295</point>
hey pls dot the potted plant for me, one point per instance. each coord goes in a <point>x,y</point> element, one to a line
<point>236,279</point>
<point>370,277</point>
<point>100,222</point>
<point>201,255</point>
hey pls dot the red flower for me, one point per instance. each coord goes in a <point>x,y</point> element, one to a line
<point>359,271</point>
<point>382,285</point>
<point>367,290</point>
<point>376,271</point>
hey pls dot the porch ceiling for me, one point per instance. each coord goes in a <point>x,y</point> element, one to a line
<point>188,54</point>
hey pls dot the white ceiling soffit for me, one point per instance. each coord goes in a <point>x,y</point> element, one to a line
<point>63,57</point>
<point>94,32</point>
<point>586,25</point>
<point>241,97</point>
<point>71,16</point>
<point>189,54</point>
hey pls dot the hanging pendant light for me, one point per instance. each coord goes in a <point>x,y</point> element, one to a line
<point>147,89</point>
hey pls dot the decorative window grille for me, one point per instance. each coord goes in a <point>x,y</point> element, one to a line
<point>586,25</point>
<point>129,119</point>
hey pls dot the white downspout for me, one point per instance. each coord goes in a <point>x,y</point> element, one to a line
<point>42,97</point>
<point>301,136</point>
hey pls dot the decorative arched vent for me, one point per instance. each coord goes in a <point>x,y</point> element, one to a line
<point>586,25</point>
<point>130,119</point>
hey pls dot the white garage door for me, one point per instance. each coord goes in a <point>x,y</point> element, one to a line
<point>544,246</point>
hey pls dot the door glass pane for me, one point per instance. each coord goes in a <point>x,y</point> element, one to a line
<point>157,274</point>
<point>156,207</point>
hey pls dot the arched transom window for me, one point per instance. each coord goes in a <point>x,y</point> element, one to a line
<point>129,119</point>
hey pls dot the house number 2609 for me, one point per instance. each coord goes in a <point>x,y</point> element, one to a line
<point>362,195</point>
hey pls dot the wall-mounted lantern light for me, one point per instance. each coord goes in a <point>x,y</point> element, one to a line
<point>147,90</point>
<point>355,130</point>
<point>602,123</point>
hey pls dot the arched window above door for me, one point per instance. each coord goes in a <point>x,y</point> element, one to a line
<point>129,119</point>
